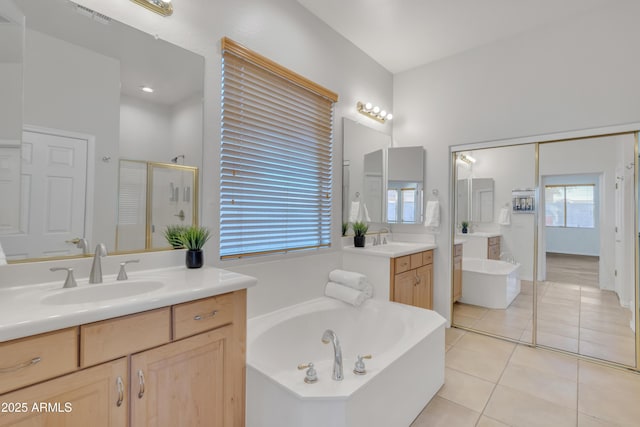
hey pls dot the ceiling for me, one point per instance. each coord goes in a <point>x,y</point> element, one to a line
<point>174,73</point>
<point>404,34</point>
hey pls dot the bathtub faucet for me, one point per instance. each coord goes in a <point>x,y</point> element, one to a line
<point>329,335</point>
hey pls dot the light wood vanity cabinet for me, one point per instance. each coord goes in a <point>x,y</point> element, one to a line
<point>412,279</point>
<point>493,247</point>
<point>457,272</point>
<point>178,365</point>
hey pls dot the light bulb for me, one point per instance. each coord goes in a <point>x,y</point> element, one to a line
<point>389,116</point>
<point>376,109</point>
<point>383,114</point>
<point>368,106</point>
<point>146,89</point>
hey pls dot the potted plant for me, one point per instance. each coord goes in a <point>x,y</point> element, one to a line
<point>193,238</point>
<point>359,230</point>
<point>345,227</point>
<point>465,227</point>
<point>173,233</point>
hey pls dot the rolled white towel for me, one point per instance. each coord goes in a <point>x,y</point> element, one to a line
<point>344,293</point>
<point>349,278</point>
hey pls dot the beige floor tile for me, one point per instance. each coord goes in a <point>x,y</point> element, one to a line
<point>608,394</point>
<point>444,413</point>
<point>541,384</point>
<point>611,406</point>
<point>464,321</point>
<point>502,329</point>
<point>466,390</point>
<point>547,361</point>
<point>507,317</point>
<point>623,355</point>
<point>606,339</point>
<point>469,310</point>
<point>585,420</point>
<point>485,421</point>
<point>614,328</point>
<point>557,341</point>
<point>556,328</point>
<point>486,345</point>
<point>480,364</point>
<point>452,335</point>
<point>517,408</point>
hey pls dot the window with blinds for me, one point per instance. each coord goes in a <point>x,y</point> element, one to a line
<point>276,157</point>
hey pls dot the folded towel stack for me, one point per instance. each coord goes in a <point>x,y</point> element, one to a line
<point>348,286</point>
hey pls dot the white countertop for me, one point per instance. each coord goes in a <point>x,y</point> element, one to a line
<point>391,249</point>
<point>484,234</point>
<point>23,311</point>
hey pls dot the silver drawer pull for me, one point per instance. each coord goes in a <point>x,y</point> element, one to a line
<point>19,366</point>
<point>141,382</point>
<point>120,389</point>
<point>205,316</point>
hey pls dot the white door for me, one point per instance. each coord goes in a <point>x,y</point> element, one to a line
<point>54,173</point>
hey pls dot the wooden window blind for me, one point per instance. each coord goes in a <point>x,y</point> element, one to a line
<point>276,157</point>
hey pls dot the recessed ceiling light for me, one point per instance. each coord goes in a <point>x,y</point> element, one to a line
<point>146,89</point>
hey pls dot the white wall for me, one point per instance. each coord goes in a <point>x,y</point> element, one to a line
<point>70,88</point>
<point>287,33</point>
<point>573,74</point>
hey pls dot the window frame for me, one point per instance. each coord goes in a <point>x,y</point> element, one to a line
<point>564,199</point>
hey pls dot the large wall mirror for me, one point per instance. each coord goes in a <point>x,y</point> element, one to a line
<point>98,93</point>
<point>381,183</point>
<point>576,202</point>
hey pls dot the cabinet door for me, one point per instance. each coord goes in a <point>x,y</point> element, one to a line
<point>403,287</point>
<point>95,397</point>
<point>423,292</point>
<point>182,383</point>
<point>457,278</point>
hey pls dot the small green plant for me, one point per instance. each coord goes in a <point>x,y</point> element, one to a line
<point>345,227</point>
<point>193,238</point>
<point>360,228</point>
<point>465,224</point>
<point>173,233</point>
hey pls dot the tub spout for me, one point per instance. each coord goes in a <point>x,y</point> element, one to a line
<point>330,336</point>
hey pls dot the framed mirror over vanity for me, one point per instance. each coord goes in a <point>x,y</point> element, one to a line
<point>381,183</point>
<point>109,134</point>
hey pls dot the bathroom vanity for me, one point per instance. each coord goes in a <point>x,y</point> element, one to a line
<point>405,276</point>
<point>181,362</point>
<point>482,245</point>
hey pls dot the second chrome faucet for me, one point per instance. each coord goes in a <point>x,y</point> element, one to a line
<point>96,268</point>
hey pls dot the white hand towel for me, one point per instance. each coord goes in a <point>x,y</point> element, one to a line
<point>504,218</point>
<point>432,214</point>
<point>353,280</point>
<point>3,258</point>
<point>344,293</point>
<point>365,213</point>
<point>355,210</point>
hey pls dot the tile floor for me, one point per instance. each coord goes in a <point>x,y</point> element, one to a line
<point>490,382</point>
<point>579,318</point>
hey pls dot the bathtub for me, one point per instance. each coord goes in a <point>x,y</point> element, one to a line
<point>405,372</point>
<point>489,283</point>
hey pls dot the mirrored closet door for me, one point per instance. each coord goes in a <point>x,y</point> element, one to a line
<point>550,253</point>
<point>587,247</point>
<point>493,244</point>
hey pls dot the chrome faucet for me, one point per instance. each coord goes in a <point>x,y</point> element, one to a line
<point>96,269</point>
<point>328,336</point>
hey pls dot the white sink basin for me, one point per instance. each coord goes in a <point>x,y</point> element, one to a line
<point>392,249</point>
<point>102,292</point>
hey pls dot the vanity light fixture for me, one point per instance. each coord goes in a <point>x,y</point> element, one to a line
<point>162,7</point>
<point>374,112</point>
<point>466,159</point>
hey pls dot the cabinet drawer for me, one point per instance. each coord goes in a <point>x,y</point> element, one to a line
<point>402,264</point>
<point>457,250</point>
<point>427,257</point>
<point>198,316</point>
<point>493,252</point>
<point>492,241</point>
<point>29,360</point>
<point>109,339</point>
<point>416,260</point>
